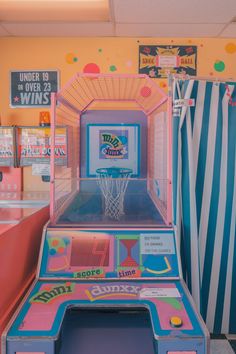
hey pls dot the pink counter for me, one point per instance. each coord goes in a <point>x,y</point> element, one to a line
<point>19,249</point>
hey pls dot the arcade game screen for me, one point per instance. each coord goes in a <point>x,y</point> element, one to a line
<point>90,253</point>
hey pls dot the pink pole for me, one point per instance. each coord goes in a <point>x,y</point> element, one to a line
<point>169,158</point>
<point>52,159</point>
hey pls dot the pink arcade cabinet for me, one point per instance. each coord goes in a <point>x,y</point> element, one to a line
<point>109,275</point>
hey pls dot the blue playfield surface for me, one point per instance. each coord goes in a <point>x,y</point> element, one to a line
<point>87,208</point>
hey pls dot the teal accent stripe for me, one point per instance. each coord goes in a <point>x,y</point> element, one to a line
<point>227,221</point>
<point>232,301</point>
<point>186,205</point>
<point>175,148</point>
<point>193,109</point>
<point>232,322</point>
<point>210,243</point>
<point>183,254</point>
<point>201,167</point>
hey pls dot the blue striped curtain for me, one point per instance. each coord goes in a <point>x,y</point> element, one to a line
<point>204,196</point>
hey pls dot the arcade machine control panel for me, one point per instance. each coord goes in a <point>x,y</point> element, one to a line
<point>108,270</point>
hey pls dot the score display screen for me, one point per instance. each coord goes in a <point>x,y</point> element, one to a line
<point>90,252</point>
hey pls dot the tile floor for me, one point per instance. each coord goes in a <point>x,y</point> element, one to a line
<point>221,344</point>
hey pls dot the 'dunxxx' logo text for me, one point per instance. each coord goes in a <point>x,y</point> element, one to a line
<point>99,292</point>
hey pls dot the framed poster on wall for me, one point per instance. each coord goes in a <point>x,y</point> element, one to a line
<point>158,61</point>
<point>113,145</point>
<point>7,146</point>
<point>34,145</point>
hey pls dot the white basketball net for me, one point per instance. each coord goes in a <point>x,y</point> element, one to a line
<point>113,189</point>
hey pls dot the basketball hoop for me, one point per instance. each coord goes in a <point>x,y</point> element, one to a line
<point>113,182</point>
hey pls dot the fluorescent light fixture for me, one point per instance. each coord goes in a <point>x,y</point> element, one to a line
<point>54,11</point>
<point>55,1</point>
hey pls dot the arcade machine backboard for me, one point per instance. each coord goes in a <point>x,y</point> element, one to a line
<point>109,277</point>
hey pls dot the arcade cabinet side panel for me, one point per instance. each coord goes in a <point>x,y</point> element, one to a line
<point>19,249</point>
<point>198,315</point>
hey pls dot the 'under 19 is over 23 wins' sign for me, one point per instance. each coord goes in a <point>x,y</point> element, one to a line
<point>32,88</point>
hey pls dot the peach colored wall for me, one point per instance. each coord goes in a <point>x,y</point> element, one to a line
<point>70,55</point>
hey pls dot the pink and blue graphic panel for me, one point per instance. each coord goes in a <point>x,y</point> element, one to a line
<point>100,254</point>
<point>44,309</point>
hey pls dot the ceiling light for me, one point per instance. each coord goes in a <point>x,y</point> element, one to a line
<point>54,11</point>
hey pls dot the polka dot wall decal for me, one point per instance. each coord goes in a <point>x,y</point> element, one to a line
<point>230,48</point>
<point>189,41</point>
<point>71,58</point>
<point>100,50</point>
<point>113,68</point>
<point>145,91</point>
<point>211,73</point>
<point>91,68</point>
<point>129,63</point>
<point>219,66</point>
<point>163,84</point>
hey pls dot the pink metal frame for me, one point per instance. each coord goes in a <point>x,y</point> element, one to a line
<point>88,99</point>
<point>169,158</point>
<point>52,160</point>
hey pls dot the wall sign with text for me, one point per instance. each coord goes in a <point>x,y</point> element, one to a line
<point>159,61</point>
<point>7,146</point>
<point>33,88</point>
<point>34,146</point>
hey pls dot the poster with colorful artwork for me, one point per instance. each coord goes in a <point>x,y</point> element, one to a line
<point>159,61</point>
<point>34,145</point>
<point>7,146</point>
<point>113,145</point>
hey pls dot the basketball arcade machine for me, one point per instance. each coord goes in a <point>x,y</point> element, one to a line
<point>109,268</point>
